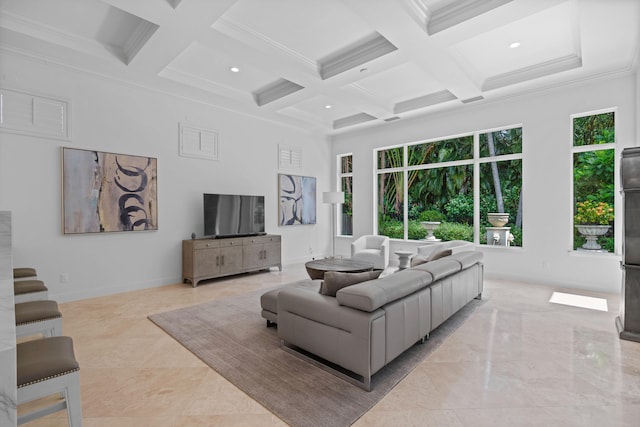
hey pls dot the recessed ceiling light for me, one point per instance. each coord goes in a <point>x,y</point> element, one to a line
<point>514,45</point>
<point>328,106</point>
<point>234,69</point>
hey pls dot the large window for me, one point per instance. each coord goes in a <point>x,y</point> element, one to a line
<point>593,155</point>
<point>345,178</point>
<point>451,182</point>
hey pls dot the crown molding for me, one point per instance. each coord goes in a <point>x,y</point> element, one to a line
<point>355,54</point>
<point>274,91</point>
<point>138,39</point>
<point>353,120</point>
<point>199,82</point>
<point>257,40</point>
<point>459,11</point>
<point>423,101</point>
<point>40,31</point>
<point>535,71</point>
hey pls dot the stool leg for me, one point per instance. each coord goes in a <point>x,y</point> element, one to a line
<point>74,402</point>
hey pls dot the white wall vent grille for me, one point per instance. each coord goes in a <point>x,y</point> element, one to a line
<point>289,157</point>
<point>199,143</point>
<point>34,115</point>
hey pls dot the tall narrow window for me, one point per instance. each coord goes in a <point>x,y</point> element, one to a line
<point>593,182</point>
<point>345,177</point>
<point>390,196</point>
<point>501,187</point>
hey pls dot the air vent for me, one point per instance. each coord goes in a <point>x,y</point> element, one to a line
<point>34,115</point>
<point>352,120</point>
<point>198,143</point>
<point>354,55</point>
<point>392,119</point>
<point>474,99</point>
<point>274,91</point>
<point>289,157</point>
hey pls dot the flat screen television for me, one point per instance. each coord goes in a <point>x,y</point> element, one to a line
<point>227,215</point>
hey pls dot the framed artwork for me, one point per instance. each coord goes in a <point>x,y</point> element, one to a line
<point>105,192</point>
<point>297,199</point>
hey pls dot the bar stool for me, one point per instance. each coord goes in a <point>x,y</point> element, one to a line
<point>38,317</point>
<point>45,367</point>
<point>29,290</point>
<point>21,273</point>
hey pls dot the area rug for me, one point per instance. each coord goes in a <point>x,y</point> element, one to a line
<point>231,337</point>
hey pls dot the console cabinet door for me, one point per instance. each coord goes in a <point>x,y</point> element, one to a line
<point>272,254</point>
<point>206,262</point>
<point>231,259</point>
<point>252,255</point>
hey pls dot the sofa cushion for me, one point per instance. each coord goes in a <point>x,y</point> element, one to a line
<point>440,268</point>
<point>269,300</point>
<point>421,259</point>
<point>335,280</point>
<point>371,295</point>
<point>454,245</point>
<point>467,258</point>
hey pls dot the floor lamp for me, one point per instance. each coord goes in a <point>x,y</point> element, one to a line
<point>334,198</point>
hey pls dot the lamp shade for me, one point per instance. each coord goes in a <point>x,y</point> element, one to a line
<point>333,197</point>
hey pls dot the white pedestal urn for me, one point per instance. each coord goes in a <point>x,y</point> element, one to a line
<point>498,219</point>
<point>430,226</point>
<point>591,233</point>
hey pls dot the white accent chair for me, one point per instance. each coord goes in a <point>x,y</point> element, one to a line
<point>373,249</point>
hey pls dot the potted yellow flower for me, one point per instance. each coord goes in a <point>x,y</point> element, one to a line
<point>593,219</point>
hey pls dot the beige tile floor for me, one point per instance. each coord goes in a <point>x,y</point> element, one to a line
<point>518,361</point>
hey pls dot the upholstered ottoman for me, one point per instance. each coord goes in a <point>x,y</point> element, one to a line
<point>269,300</point>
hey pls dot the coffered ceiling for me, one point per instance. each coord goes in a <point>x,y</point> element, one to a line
<point>331,66</point>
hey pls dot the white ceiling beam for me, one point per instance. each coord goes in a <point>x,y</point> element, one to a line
<point>393,20</point>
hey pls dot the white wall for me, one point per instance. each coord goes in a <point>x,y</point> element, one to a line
<point>110,116</point>
<point>546,255</point>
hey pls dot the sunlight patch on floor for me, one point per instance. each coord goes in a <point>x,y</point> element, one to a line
<point>579,301</point>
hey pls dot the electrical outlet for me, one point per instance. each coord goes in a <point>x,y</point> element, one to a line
<point>64,278</point>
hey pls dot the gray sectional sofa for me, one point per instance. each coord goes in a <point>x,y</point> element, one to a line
<point>367,325</point>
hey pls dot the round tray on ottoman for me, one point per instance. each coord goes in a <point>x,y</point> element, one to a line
<point>318,267</point>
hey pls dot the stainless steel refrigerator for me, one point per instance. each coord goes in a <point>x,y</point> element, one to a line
<point>628,323</point>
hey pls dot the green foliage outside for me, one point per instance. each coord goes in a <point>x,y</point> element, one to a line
<point>454,231</point>
<point>445,193</point>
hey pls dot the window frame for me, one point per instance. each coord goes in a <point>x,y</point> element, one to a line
<point>573,150</point>
<point>340,176</point>
<point>476,161</point>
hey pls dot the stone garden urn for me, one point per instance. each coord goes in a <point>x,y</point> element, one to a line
<point>430,226</point>
<point>498,219</point>
<point>591,233</point>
